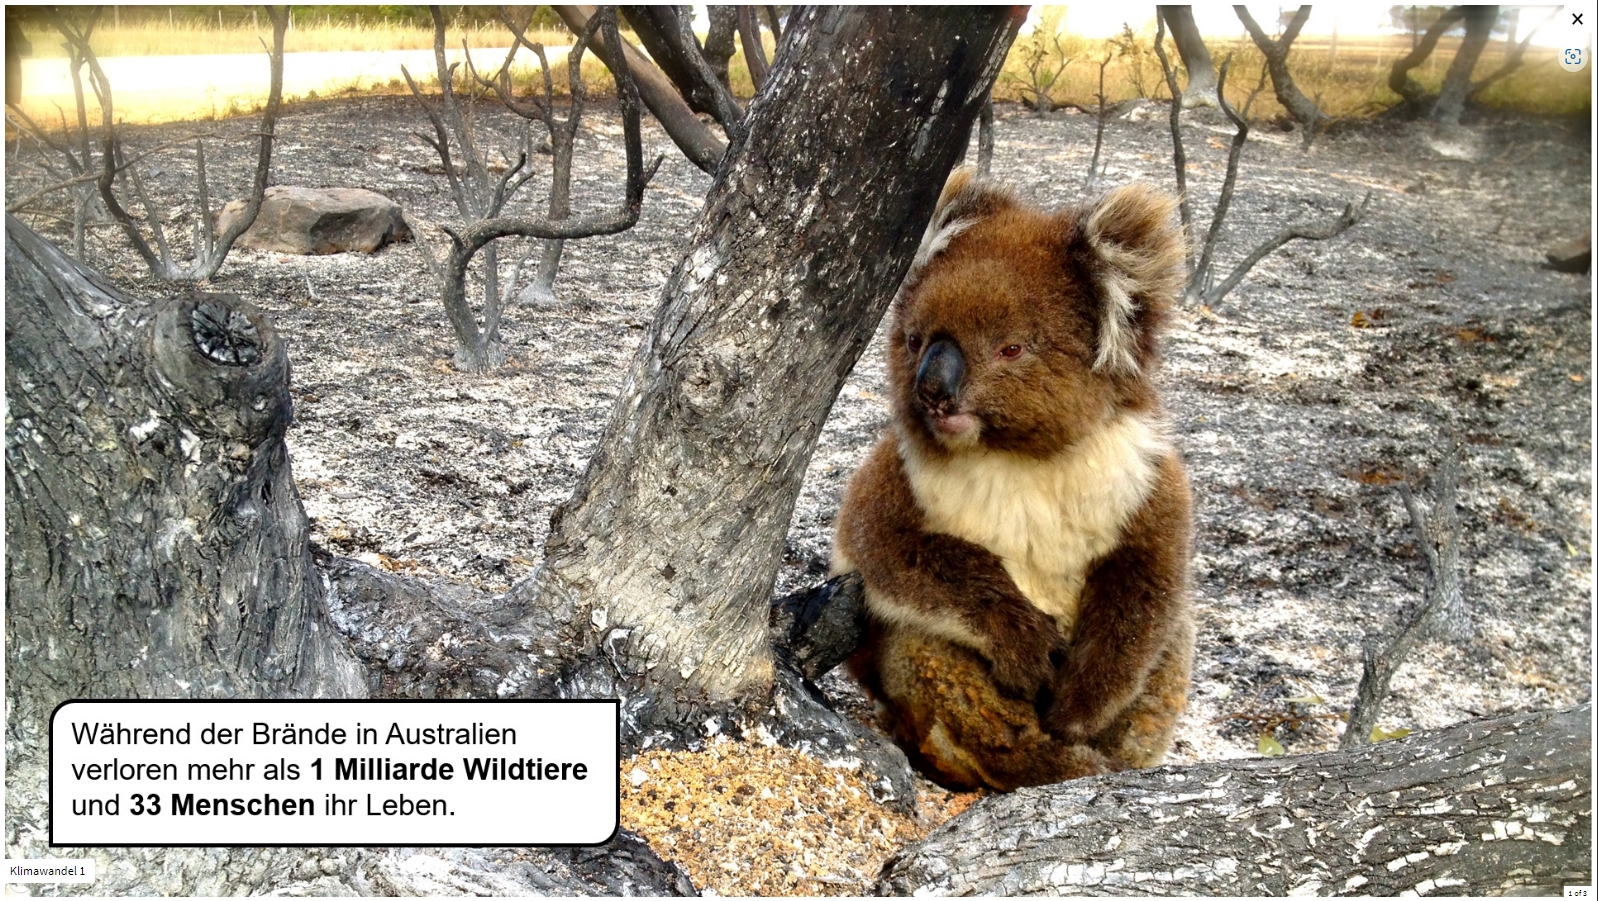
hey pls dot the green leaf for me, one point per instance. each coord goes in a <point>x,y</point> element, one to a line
<point>1380,734</point>
<point>1270,747</point>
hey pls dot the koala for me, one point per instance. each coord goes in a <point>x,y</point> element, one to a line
<point>1024,529</point>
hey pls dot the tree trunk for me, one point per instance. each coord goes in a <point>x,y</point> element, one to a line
<point>1200,90</point>
<point>667,551</point>
<point>754,50</point>
<point>1398,79</point>
<point>667,33</point>
<point>1479,21</point>
<point>1482,808</point>
<point>721,42</point>
<point>156,547</point>
<point>693,137</point>
<point>1303,110</point>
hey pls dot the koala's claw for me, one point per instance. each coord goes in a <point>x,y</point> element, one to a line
<point>1024,664</point>
<point>1068,724</point>
<point>1022,675</point>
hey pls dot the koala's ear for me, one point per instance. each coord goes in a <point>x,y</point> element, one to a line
<point>1138,255</point>
<point>966,199</point>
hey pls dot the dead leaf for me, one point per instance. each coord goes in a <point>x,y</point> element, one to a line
<point>1375,475</point>
<point>1380,734</point>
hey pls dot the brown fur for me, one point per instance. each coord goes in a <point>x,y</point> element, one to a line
<point>1024,532</point>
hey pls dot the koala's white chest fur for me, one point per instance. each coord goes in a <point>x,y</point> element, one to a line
<point>1047,519</point>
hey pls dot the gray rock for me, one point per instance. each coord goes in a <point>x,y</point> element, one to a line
<point>320,220</point>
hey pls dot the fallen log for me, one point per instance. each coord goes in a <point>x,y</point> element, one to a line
<point>1488,807</point>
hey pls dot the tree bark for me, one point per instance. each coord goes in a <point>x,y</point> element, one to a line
<point>1200,90</point>
<point>1482,808</point>
<point>721,42</point>
<point>666,32</point>
<point>156,547</point>
<point>1479,21</point>
<point>667,551</point>
<point>1398,80</point>
<point>695,139</point>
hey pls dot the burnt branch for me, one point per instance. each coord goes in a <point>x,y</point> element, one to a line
<point>754,50</point>
<point>479,193</point>
<point>78,160</point>
<point>1346,220</point>
<point>1178,152</point>
<point>1361,821</point>
<point>693,137</point>
<point>1399,81</point>
<point>477,350</point>
<point>1199,286</point>
<point>667,33</point>
<point>1301,108</point>
<point>90,177</point>
<point>1098,135</point>
<point>1442,610</point>
<point>1234,157</point>
<point>209,249</point>
<point>440,139</point>
<point>562,139</point>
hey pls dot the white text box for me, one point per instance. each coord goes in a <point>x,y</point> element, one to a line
<point>152,773</point>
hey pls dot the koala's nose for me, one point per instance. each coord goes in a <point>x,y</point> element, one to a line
<point>942,369</point>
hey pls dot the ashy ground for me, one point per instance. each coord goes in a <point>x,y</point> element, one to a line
<point>1335,371</point>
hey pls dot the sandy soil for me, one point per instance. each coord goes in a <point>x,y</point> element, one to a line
<point>1335,371</point>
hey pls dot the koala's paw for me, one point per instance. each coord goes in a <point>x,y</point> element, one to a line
<point>1072,721</point>
<point>1023,662</point>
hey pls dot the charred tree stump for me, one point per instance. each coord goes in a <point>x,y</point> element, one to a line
<point>156,547</point>
<point>151,512</point>
<point>1498,806</point>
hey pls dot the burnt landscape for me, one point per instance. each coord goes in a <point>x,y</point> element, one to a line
<point>1335,372</point>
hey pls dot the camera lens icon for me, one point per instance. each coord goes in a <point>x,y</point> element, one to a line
<point>1573,59</point>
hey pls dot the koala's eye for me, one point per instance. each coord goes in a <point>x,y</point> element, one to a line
<point>914,343</point>
<point>1010,352</point>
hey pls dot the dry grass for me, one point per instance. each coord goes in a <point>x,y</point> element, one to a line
<point>1351,83</point>
<point>183,38</point>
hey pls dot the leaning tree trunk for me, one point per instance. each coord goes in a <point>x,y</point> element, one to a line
<point>721,41</point>
<point>693,137</point>
<point>1491,807</point>
<point>1200,90</point>
<point>1479,21</point>
<point>666,554</point>
<point>1303,110</point>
